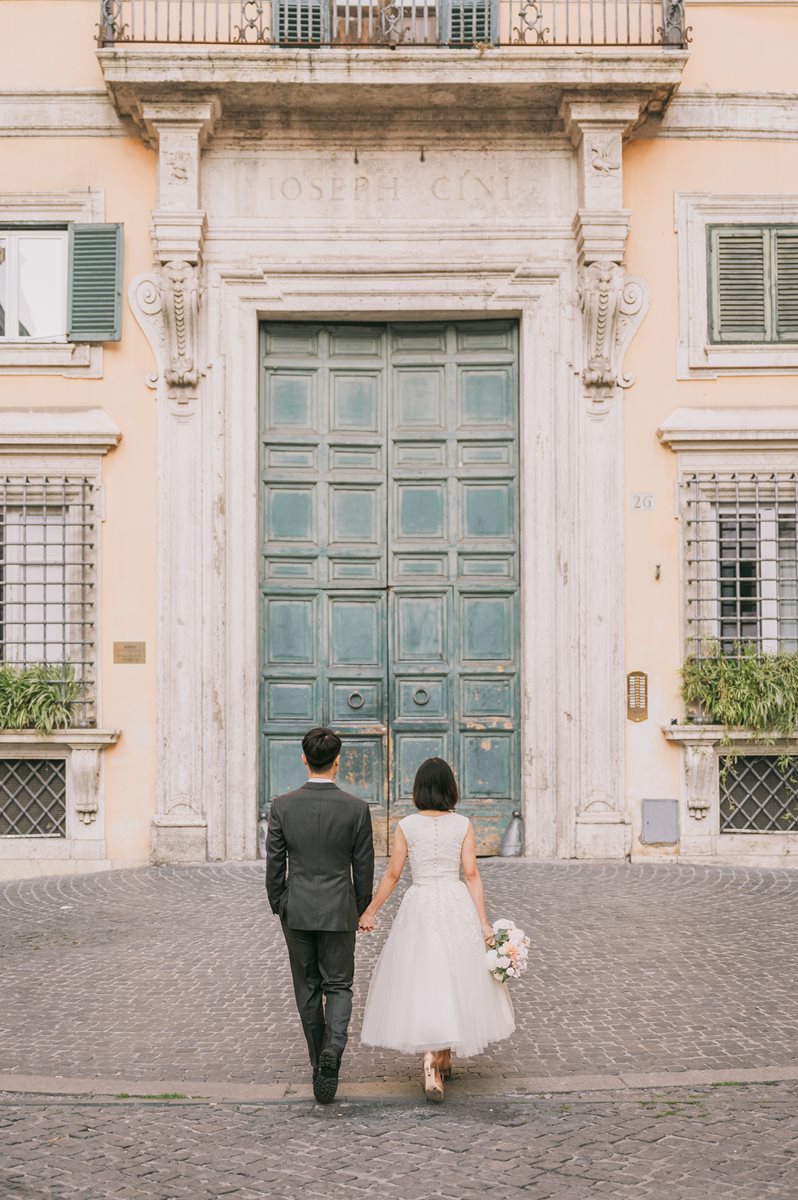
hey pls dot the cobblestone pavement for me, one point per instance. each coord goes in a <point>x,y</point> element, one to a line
<point>181,974</point>
<point>707,1144</point>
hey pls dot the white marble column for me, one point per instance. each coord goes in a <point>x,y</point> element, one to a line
<point>612,304</point>
<point>167,303</point>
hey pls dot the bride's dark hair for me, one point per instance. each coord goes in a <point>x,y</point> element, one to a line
<point>435,786</point>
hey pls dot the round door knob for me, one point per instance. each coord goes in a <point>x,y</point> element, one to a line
<point>356,700</point>
<point>421,696</point>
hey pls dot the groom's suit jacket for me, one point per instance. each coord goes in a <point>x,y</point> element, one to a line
<point>319,858</point>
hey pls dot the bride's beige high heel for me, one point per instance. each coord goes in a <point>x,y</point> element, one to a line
<point>444,1063</point>
<point>433,1084</point>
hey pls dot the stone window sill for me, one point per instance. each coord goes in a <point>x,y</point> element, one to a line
<point>82,750</point>
<point>51,358</point>
<point>699,804</point>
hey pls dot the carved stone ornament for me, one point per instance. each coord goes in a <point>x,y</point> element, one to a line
<point>84,772</point>
<point>613,306</point>
<point>166,307</point>
<point>699,771</point>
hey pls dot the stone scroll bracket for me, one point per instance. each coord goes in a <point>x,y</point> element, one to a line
<point>612,303</point>
<point>166,302</point>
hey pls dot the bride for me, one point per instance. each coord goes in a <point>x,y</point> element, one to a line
<point>431,991</point>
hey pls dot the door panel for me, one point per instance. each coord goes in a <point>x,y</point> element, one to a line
<point>390,572</point>
<point>323,525</point>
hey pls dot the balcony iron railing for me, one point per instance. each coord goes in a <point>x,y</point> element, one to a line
<point>458,24</point>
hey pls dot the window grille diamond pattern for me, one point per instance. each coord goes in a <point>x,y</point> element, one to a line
<point>741,560</point>
<point>32,797</point>
<point>48,544</point>
<point>757,796</point>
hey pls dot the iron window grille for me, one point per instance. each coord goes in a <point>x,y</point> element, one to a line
<point>32,797</point>
<point>740,562</point>
<point>758,794</point>
<point>48,552</point>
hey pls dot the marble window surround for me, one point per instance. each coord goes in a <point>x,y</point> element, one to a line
<point>57,356</point>
<point>37,442</point>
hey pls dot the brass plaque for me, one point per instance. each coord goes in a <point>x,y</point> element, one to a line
<point>130,652</point>
<point>637,696</point>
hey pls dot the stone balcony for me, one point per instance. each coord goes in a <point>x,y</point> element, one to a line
<point>322,54</point>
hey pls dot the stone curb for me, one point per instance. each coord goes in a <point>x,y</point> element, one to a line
<point>465,1088</point>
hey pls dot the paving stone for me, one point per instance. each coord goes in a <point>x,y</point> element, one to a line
<point>180,974</point>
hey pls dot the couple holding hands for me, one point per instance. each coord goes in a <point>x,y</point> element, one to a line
<point>431,992</point>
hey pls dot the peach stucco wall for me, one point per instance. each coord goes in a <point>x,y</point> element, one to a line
<point>741,47</point>
<point>125,170</point>
<point>46,45</point>
<point>653,172</point>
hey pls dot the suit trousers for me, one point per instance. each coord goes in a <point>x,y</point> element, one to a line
<point>322,964</point>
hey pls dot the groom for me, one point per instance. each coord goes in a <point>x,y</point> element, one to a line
<point>324,836</point>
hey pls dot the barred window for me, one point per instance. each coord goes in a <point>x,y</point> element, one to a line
<point>741,560</point>
<point>759,794</point>
<point>32,797</point>
<point>48,539</point>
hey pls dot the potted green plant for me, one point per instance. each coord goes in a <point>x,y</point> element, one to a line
<point>39,697</point>
<point>747,691</point>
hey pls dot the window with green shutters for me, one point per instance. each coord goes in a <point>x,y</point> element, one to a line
<point>95,283</point>
<point>753,283</point>
<point>60,283</point>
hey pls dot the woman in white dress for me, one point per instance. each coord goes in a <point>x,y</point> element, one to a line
<point>431,992</point>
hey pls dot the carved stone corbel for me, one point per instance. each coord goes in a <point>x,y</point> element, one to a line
<point>84,776</point>
<point>699,773</point>
<point>180,291</point>
<point>166,306</point>
<point>613,305</point>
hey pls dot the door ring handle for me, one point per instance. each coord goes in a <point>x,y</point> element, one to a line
<point>421,696</point>
<point>356,700</point>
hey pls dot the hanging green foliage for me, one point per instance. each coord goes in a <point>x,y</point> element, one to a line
<point>747,691</point>
<point>39,697</point>
<point>755,692</point>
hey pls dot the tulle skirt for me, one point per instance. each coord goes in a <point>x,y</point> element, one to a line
<point>431,988</point>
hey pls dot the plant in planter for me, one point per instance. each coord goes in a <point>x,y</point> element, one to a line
<point>745,691</point>
<point>39,697</point>
<point>751,691</point>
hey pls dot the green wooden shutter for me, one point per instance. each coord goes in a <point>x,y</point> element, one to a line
<point>471,22</point>
<point>95,283</point>
<point>739,281</point>
<point>786,258</point>
<point>299,22</point>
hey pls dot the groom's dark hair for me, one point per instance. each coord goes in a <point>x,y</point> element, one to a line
<point>321,747</point>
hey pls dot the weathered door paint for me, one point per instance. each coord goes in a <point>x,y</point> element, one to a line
<point>389,559</point>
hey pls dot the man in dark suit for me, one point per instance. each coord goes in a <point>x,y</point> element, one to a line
<point>323,836</point>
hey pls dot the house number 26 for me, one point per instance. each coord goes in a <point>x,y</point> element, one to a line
<point>642,501</point>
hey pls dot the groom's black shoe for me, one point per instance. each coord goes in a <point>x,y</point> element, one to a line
<point>325,1077</point>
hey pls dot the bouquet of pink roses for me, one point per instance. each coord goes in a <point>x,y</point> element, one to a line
<point>507,958</point>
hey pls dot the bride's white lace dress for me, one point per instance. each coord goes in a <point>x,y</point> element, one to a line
<point>431,988</point>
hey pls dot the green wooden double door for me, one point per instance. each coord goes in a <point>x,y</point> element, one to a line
<point>389,559</point>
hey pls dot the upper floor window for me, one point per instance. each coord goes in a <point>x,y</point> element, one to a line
<point>741,560</point>
<point>33,284</point>
<point>738,284</point>
<point>753,283</point>
<point>61,284</point>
